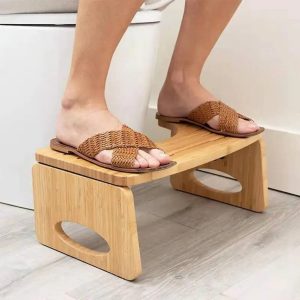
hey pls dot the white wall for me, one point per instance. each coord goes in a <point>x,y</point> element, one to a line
<point>255,67</point>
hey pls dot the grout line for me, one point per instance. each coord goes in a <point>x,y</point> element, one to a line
<point>13,205</point>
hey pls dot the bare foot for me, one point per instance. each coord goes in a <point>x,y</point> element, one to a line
<point>77,123</point>
<point>179,99</point>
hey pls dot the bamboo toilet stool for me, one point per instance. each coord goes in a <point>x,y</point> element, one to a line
<point>67,188</point>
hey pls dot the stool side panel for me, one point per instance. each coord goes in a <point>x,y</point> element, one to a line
<point>107,209</point>
<point>247,165</point>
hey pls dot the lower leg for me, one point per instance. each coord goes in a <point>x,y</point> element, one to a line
<point>202,24</point>
<point>84,111</point>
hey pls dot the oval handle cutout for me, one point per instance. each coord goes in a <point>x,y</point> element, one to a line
<point>82,238</point>
<point>218,181</point>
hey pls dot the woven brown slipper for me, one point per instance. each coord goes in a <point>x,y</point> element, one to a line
<point>125,144</point>
<point>228,119</point>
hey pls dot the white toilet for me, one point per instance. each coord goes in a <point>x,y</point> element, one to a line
<point>35,55</point>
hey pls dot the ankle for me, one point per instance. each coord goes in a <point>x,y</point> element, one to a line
<point>181,78</point>
<point>178,86</point>
<point>72,102</point>
<point>76,97</point>
<point>69,104</point>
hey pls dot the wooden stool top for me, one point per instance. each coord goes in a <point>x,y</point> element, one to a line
<point>189,146</point>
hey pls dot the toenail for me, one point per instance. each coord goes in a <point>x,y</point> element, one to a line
<point>161,152</point>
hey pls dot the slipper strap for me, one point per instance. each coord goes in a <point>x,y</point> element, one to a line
<point>228,117</point>
<point>124,157</point>
<point>125,144</point>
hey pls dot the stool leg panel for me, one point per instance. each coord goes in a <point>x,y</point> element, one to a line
<point>107,209</point>
<point>247,165</point>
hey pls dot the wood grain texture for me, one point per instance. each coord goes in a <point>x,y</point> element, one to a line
<point>108,210</point>
<point>189,146</point>
<point>67,188</point>
<point>246,165</point>
<point>192,248</point>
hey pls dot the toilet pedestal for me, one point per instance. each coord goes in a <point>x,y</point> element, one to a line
<point>67,188</point>
<point>35,56</point>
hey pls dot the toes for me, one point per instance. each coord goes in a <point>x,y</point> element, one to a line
<point>214,122</point>
<point>152,161</point>
<point>245,126</point>
<point>136,164</point>
<point>160,155</point>
<point>105,156</point>
<point>142,161</point>
<point>256,125</point>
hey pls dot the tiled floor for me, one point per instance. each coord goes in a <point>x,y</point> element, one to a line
<point>192,248</point>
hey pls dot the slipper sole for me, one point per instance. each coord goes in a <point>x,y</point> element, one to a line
<point>224,133</point>
<point>56,145</point>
